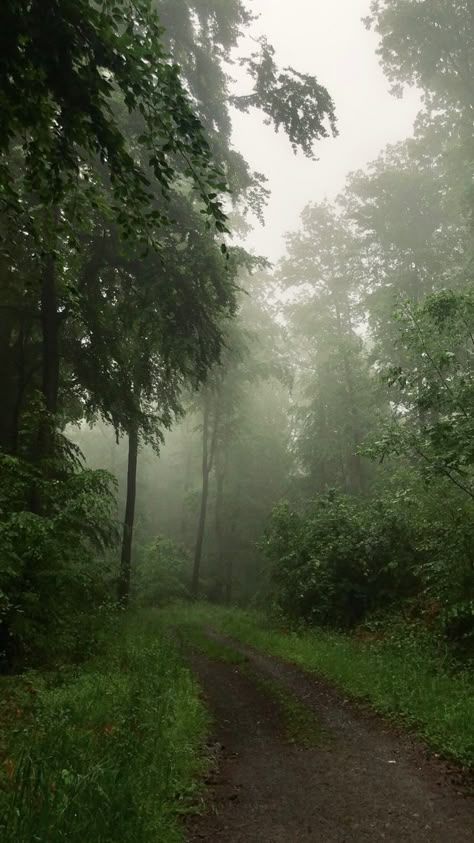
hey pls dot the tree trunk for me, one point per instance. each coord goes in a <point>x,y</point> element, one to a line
<point>231,554</point>
<point>49,320</point>
<point>50,336</point>
<point>229,575</point>
<point>21,380</point>
<point>208,450</point>
<point>126,560</point>
<point>203,508</point>
<point>186,488</point>
<point>220,476</point>
<point>357,471</point>
<point>325,437</point>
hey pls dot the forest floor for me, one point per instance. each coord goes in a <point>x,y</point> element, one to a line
<point>296,761</point>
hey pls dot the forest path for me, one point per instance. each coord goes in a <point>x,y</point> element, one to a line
<point>296,762</point>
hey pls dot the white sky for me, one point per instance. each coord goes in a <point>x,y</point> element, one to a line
<point>327,39</point>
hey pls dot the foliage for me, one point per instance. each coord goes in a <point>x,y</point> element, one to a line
<point>66,74</point>
<point>109,752</point>
<point>379,313</point>
<point>292,100</point>
<point>340,559</point>
<point>115,158</point>
<point>437,386</point>
<point>51,562</point>
<point>334,395</point>
<point>163,573</point>
<point>427,44</point>
<point>204,39</point>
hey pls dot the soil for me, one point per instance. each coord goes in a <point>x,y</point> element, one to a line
<point>359,781</point>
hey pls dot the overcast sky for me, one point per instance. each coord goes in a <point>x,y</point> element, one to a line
<point>327,39</point>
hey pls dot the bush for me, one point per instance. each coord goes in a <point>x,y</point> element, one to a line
<point>50,573</point>
<point>340,559</point>
<point>163,573</point>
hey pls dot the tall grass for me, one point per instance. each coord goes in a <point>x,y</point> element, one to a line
<point>106,754</point>
<point>403,677</point>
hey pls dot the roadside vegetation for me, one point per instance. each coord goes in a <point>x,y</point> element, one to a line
<point>110,750</point>
<point>403,675</point>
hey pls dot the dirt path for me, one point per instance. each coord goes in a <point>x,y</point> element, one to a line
<point>357,781</point>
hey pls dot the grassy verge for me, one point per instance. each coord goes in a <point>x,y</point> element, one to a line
<point>108,753</point>
<point>299,723</point>
<point>404,679</point>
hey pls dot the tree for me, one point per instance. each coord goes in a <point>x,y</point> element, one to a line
<point>113,167</point>
<point>66,163</point>
<point>234,447</point>
<point>203,38</point>
<point>210,423</point>
<point>154,333</point>
<point>64,76</point>
<point>434,411</point>
<point>85,200</point>
<point>324,271</point>
<point>428,43</point>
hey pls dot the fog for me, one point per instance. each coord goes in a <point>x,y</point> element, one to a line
<point>301,404</point>
<point>330,41</point>
<point>237,420</point>
<point>284,422</point>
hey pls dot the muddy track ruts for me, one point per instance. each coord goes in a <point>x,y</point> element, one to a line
<point>359,781</point>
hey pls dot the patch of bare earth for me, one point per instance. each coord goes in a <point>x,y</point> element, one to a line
<point>360,782</point>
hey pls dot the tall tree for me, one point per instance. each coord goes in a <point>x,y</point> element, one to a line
<point>324,271</point>
<point>428,43</point>
<point>98,134</point>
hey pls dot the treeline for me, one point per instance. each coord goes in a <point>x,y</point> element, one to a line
<point>203,501</point>
<point>134,331</point>
<point>350,392</point>
<point>119,281</point>
<point>381,322</point>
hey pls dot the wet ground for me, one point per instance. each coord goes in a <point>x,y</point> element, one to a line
<point>357,779</point>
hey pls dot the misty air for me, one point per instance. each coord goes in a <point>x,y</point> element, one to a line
<point>237,421</point>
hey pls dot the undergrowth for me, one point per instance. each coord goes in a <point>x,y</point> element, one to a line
<point>406,678</point>
<point>109,752</point>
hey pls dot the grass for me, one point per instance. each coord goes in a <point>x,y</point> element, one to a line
<point>300,724</point>
<point>192,636</point>
<point>404,679</point>
<point>109,753</point>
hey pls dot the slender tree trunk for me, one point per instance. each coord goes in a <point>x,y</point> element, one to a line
<point>229,574</point>
<point>21,379</point>
<point>231,554</point>
<point>50,336</point>
<point>186,488</point>
<point>323,462</point>
<point>49,320</point>
<point>203,507</point>
<point>208,450</point>
<point>14,336</point>
<point>126,560</point>
<point>220,477</point>
<point>357,472</point>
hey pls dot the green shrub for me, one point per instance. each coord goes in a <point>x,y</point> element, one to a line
<point>340,559</point>
<point>163,573</point>
<point>50,573</point>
